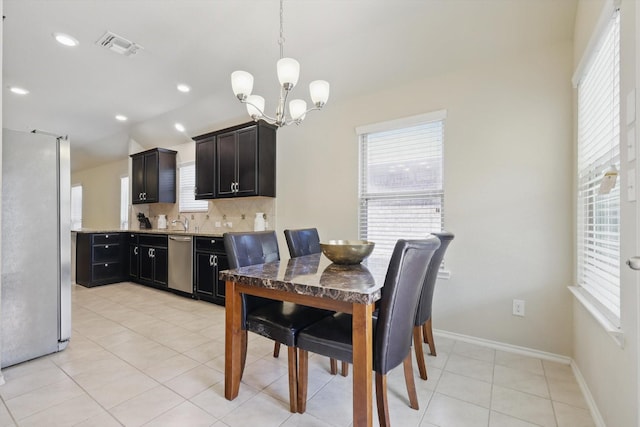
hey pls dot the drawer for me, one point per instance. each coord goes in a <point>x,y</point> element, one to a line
<point>103,239</point>
<point>104,253</point>
<point>210,244</point>
<point>106,271</point>
<point>153,240</point>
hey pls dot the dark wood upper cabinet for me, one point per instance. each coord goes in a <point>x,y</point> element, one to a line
<point>244,162</point>
<point>153,176</point>
<point>205,161</point>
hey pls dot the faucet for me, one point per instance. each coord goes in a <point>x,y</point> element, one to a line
<point>185,224</point>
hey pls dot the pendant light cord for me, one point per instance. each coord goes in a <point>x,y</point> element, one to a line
<point>281,39</point>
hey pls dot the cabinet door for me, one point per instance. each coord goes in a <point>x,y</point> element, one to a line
<point>205,166</point>
<point>205,272</point>
<point>223,264</point>
<point>146,263</point>
<point>161,271</point>
<point>226,164</point>
<point>151,177</point>
<point>137,179</point>
<point>247,146</point>
<point>134,259</point>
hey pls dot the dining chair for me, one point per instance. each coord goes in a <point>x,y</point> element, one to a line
<point>301,242</point>
<point>332,336</point>
<point>277,320</point>
<point>423,323</point>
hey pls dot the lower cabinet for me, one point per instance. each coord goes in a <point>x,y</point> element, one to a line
<point>100,258</point>
<point>152,260</point>
<point>209,259</point>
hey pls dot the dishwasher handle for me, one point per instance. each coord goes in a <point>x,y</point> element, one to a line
<point>180,238</point>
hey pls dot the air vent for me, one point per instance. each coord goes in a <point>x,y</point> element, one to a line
<point>118,44</point>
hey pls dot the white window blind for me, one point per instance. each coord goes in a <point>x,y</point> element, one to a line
<point>401,181</point>
<point>124,203</point>
<point>187,201</point>
<point>76,207</point>
<point>598,148</point>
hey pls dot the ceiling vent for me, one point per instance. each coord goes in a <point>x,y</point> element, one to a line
<point>118,44</point>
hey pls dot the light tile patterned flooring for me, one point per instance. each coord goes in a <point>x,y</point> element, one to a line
<point>140,356</point>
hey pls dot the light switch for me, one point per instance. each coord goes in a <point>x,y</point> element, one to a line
<point>631,143</point>
<point>631,185</point>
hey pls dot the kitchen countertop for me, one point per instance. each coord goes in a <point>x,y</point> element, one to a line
<point>146,231</point>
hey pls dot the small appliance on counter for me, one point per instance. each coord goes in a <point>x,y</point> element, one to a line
<point>144,221</point>
<point>162,222</point>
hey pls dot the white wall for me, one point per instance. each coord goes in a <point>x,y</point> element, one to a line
<point>610,372</point>
<point>508,188</point>
<point>101,194</point>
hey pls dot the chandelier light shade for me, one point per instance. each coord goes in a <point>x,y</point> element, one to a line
<point>288,70</point>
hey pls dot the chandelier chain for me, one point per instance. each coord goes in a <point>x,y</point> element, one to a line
<point>281,39</point>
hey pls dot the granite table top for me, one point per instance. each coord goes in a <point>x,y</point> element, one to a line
<point>317,276</point>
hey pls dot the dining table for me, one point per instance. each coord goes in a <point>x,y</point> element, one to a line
<point>315,281</point>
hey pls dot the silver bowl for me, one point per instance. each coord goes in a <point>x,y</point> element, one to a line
<point>347,251</point>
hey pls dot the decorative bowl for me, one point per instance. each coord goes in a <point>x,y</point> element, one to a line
<point>347,251</point>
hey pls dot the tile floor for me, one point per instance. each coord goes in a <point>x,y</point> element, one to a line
<point>142,357</point>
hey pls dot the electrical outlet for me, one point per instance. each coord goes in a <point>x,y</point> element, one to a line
<point>518,307</point>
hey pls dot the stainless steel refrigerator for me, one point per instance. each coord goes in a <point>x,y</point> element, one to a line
<point>36,246</point>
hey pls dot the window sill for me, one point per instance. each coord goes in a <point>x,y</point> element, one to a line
<point>613,330</point>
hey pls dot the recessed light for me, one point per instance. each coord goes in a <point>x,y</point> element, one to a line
<point>183,88</point>
<point>121,118</point>
<point>18,90</point>
<point>66,39</point>
<point>179,127</point>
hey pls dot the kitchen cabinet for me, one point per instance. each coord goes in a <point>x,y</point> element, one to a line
<point>100,258</point>
<point>153,261</point>
<point>239,161</point>
<point>134,257</point>
<point>209,259</point>
<point>153,176</point>
<point>205,168</point>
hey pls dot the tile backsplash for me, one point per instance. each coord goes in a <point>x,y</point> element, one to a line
<point>223,215</point>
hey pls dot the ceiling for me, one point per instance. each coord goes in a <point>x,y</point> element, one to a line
<point>359,46</point>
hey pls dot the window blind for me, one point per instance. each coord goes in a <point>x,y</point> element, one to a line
<point>598,218</point>
<point>401,184</point>
<point>76,207</point>
<point>187,201</point>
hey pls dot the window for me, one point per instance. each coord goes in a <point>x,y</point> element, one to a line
<point>598,221</point>
<point>124,203</point>
<point>76,207</point>
<point>187,201</point>
<point>401,180</point>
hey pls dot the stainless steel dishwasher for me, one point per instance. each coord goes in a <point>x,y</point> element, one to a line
<point>181,263</point>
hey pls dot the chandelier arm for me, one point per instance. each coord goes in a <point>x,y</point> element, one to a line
<point>263,116</point>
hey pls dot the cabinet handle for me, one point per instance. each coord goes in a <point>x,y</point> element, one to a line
<point>106,246</point>
<point>135,250</point>
<point>139,196</point>
<point>106,236</point>
<point>215,260</point>
<point>211,262</point>
<point>150,253</point>
<point>212,241</point>
<point>106,265</point>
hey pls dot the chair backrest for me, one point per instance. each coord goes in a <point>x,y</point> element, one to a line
<point>426,297</point>
<point>402,286</point>
<point>250,248</point>
<point>301,242</point>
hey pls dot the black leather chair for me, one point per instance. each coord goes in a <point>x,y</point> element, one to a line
<point>423,324</point>
<point>301,242</point>
<point>391,330</point>
<point>277,320</point>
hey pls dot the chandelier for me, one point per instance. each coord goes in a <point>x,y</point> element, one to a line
<point>288,72</point>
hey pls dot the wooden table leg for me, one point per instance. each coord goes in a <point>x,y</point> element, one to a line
<point>362,365</point>
<point>232,341</point>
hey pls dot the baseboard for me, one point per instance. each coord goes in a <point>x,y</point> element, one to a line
<point>525,351</point>
<point>588,397</point>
